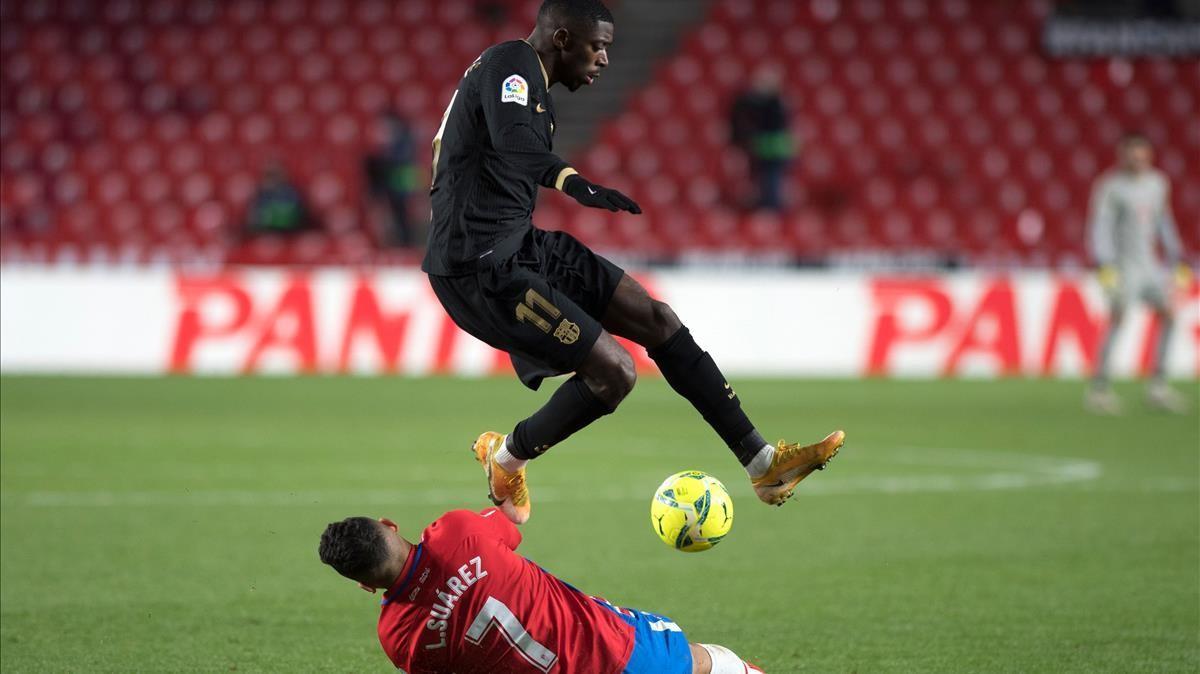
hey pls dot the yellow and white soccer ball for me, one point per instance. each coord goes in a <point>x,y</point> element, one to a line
<point>691,511</point>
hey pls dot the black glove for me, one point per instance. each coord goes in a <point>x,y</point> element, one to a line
<point>591,194</point>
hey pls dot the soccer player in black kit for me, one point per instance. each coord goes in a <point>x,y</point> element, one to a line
<point>544,297</point>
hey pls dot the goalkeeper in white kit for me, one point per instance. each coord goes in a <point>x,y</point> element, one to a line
<point>1130,216</point>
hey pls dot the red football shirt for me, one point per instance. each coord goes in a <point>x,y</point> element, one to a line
<point>466,603</point>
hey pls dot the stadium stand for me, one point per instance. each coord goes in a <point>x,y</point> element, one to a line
<point>928,126</point>
<point>135,131</point>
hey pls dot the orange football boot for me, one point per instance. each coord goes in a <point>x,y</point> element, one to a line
<point>793,463</point>
<point>507,490</point>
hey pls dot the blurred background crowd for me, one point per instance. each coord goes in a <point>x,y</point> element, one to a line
<point>926,133</point>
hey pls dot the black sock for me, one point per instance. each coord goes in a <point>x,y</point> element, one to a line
<point>572,407</point>
<point>749,446</point>
<point>693,374</point>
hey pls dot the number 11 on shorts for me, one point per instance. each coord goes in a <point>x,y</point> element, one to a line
<point>526,313</point>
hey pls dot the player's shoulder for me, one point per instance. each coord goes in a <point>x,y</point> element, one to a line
<point>514,54</point>
<point>454,527</point>
<point>453,520</point>
<point>511,51</point>
<point>1160,177</point>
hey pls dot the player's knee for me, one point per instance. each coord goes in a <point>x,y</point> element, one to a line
<point>612,378</point>
<point>664,320</point>
<point>624,375</point>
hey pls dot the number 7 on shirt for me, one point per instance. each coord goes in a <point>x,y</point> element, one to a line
<point>494,612</point>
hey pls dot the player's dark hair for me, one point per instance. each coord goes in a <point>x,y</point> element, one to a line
<point>581,13</point>
<point>354,547</point>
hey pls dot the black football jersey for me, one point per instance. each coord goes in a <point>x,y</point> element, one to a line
<point>492,151</point>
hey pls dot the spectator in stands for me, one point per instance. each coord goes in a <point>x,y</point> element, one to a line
<point>277,206</point>
<point>759,127</point>
<point>392,177</point>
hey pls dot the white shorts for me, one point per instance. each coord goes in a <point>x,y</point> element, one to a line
<point>1152,286</point>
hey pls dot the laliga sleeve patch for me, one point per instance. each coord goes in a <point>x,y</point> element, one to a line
<point>514,90</point>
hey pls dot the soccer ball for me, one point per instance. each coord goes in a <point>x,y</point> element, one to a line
<point>691,511</point>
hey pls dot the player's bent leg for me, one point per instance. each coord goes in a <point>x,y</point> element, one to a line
<point>506,488</point>
<point>609,371</point>
<point>573,406</point>
<point>693,374</point>
<point>604,378</point>
<point>633,314</point>
<point>601,382</point>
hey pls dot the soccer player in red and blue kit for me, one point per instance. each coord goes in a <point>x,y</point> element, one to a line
<point>463,601</point>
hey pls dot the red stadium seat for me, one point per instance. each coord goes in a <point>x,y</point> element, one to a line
<point>922,124</point>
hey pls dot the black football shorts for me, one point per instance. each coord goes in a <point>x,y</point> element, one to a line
<point>543,305</point>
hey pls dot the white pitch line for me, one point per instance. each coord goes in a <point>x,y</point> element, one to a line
<point>998,471</point>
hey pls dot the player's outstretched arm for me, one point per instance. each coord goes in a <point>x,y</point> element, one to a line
<point>596,196</point>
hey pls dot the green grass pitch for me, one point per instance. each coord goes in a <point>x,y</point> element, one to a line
<point>168,524</point>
